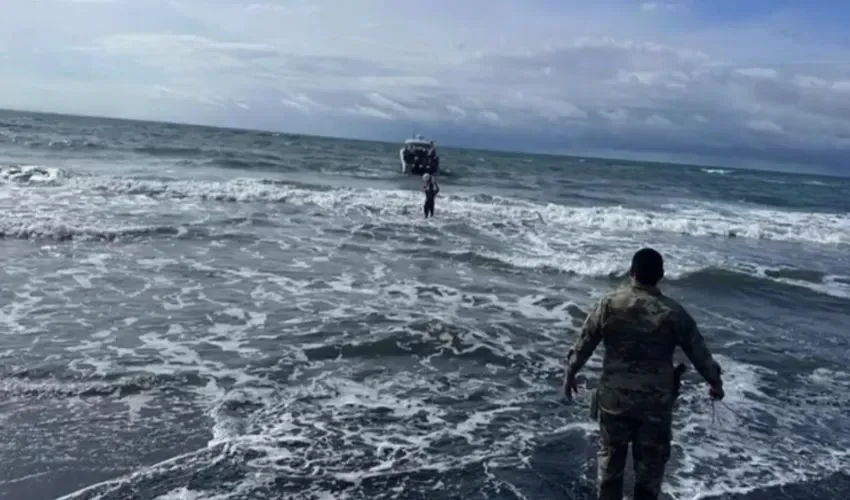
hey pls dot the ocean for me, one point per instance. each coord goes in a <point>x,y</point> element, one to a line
<point>200,313</point>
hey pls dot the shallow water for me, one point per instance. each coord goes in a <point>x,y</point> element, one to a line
<point>202,313</point>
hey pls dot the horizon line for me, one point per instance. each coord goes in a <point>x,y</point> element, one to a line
<point>450,146</point>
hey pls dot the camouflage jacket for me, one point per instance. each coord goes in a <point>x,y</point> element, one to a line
<point>640,329</point>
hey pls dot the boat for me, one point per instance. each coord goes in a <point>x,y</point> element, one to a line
<point>419,156</point>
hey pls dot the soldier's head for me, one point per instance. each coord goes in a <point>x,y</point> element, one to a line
<point>647,267</point>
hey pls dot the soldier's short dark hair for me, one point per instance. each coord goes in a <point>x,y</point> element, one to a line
<point>647,267</point>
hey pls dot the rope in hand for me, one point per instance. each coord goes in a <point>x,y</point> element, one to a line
<point>715,399</point>
<point>548,479</point>
<point>713,395</point>
<point>749,420</point>
<point>713,412</point>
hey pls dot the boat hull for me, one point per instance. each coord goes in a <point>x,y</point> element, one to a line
<point>420,169</point>
<point>416,168</point>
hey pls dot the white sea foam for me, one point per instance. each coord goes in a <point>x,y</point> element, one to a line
<point>716,171</point>
<point>822,228</point>
<point>338,369</point>
<point>31,174</point>
<point>750,223</point>
<point>753,439</point>
<point>338,427</point>
<point>528,234</point>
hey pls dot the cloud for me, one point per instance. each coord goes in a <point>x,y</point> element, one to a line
<point>382,102</point>
<point>369,112</point>
<point>489,116</point>
<point>764,126</point>
<point>655,6</point>
<point>767,82</point>
<point>460,112</point>
<point>766,73</point>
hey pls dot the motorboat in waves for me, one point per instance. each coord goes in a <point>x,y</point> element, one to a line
<point>419,156</point>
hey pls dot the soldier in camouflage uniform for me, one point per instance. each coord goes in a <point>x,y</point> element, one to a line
<point>640,328</point>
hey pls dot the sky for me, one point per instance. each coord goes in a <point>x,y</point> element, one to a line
<point>719,81</point>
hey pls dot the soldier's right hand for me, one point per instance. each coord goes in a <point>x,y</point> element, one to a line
<point>570,387</point>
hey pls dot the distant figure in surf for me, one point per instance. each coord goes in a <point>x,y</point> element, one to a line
<point>431,188</point>
<point>633,403</point>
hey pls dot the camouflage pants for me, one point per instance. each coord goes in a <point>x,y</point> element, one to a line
<point>650,436</point>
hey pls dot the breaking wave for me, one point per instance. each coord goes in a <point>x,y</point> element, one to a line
<point>174,333</point>
<point>524,235</point>
<point>752,223</point>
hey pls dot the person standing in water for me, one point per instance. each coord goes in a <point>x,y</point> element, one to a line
<point>640,328</point>
<point>431,188</point>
